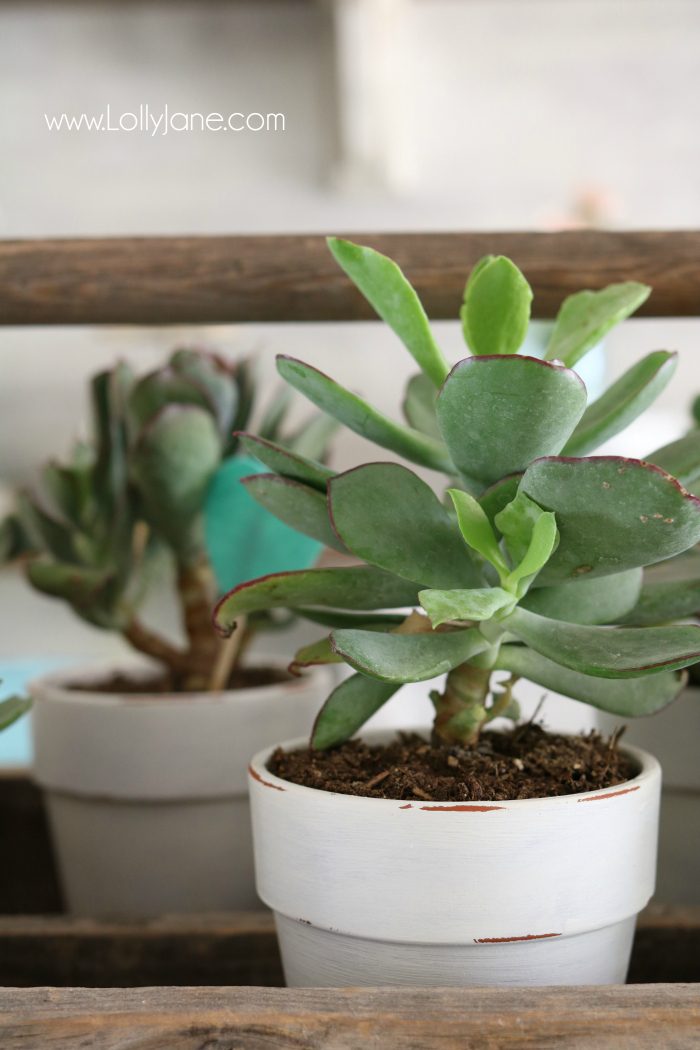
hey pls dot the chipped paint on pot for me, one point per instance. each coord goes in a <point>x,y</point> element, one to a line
<point>147,795</point>
<point>383,892</point>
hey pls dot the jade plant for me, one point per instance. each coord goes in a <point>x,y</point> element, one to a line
<point>526,559</point>
<point>158,475</point>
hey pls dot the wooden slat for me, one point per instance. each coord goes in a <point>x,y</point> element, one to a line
<point>610,1018</point>
<point>170,280</point>
<point>241,949</point>
<point>238,948</point>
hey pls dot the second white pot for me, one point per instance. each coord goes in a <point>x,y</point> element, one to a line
<point>147,795</point>
<point>380,892</point>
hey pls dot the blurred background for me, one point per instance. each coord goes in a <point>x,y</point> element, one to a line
<point>398,115</point>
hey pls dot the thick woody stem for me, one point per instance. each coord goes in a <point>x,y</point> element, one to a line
<point>153,645</point>
<point>197,590</point>
<point>460,711</point>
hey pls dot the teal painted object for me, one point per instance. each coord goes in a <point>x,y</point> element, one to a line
<point>244,540</point>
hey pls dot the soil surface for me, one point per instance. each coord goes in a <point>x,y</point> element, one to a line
<point>242,678</point>
<point>526,762</point>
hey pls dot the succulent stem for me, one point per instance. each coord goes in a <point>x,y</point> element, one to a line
<point>460,710</point>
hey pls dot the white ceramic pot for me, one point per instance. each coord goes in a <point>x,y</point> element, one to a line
<point>378,892</point>
<point>147,795</point>
<point>674,735</point>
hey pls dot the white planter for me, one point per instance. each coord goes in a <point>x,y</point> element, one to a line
<point>147,795</point>
<point>380,892</point>
<point>674,734</point>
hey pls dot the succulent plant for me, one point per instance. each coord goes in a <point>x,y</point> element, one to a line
<point>12,708</point>
<point>160,445</point>
<point>531,566</point>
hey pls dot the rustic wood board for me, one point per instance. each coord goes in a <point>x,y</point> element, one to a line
<point>233,949</point>
<point>241,949</point>
<point>199,280</point>
<point>612,1018</point>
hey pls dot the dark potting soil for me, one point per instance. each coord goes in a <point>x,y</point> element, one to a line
<point>242,678</point>
<point>527,762</point>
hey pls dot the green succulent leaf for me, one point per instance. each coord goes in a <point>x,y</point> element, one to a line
<point>388,516</point>
<point>604,599</point>
<point>608,652</point>
<point>349,706</point>
<point>476,528</point>
<point>496,310</point>
<point>661,602</point>
<point>285,462</point>
<point>299,506</point>
<point>14,539</point>
<point>681,458</point>
<point>670,591</point>
<point>79,585</point>
<point>68,490</point>
<point>628,697</point>
<point>13,708</point>
<point>516,523</point>
<point>407,657</point>
<point>355,587</point>
<point>477,604</point>
<point>214,377</point>
<point>245,375</point>
<point>385,287</point>
<point>612,514</point>
<point>497,414</point>
<point>46,531</point>
<point>361,418</point>
<point>585,317</point>
<point>312,439</point>
<point>110,392</point>
<point>419,406</point>
<point>157,390</point>
<point>543,542</point>
<point>172,465</point>
<point>313,655</point>
<point>273,417</point>
<point>335,618</point>
<point>622,402</point>
<point>499,495</point>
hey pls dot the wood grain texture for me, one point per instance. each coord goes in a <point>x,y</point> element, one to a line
<point>197,280</point>
<point>611,1018</point>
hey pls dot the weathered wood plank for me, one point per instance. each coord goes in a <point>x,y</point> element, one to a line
<point>238,948</point>
<point>610,1018</point>
<point>173,280</point>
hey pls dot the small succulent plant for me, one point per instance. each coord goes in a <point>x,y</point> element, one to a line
<point>11,709</point>
<point>531,564</point>
<point>140,485</point>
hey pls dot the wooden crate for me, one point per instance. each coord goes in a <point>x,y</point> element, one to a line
<point>292,278</point>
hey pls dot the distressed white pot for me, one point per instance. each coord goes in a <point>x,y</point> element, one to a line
<point>674,734</point>
<point>379,892</point>
<point>147,795</point>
